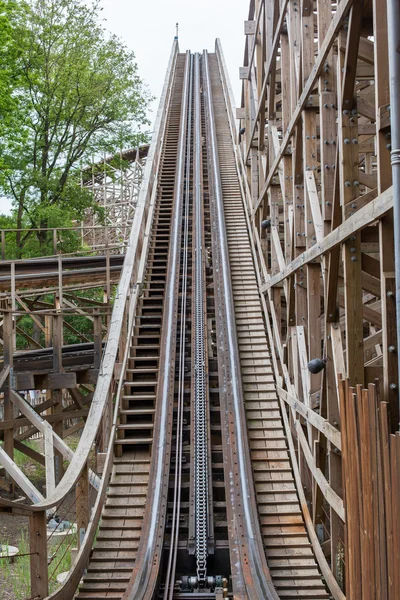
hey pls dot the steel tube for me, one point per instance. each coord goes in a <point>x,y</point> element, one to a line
<point>393,14</point>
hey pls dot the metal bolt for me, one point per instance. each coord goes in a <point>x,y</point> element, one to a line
<point>335,423</point>
<point>392,349</point>
<point>307,137</point>
<point>330,315</point>
<point>389,146</point>
<point>392,386</point>
<point>313,237</point>
<point>345,112</point>
<point>347,183</point>
<point>326,166</point>
<point>326,142</point>
<point>328,203</point>
<point>355,141</point>
<point>390,294</point>
<point>352,250</point>
<point>326,105</point>
<point>354,258</point>
<point>353,205</point>
<point>346,141</point>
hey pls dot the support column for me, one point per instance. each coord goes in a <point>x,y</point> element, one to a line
<point>38,559</point>
<point>82,504</point>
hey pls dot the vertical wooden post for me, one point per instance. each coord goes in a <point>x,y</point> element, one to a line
<point>38,558</point>
<point>82,504</point>
<point>57,394</point>
<point>97,338</point>
<point>3,245</point>
<point>8,340</point>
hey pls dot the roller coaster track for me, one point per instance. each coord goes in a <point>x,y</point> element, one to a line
<point>234,377</point>
<point>146,517</point>
<point>198,497</point>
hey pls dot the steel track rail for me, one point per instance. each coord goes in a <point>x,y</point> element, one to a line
<point>200,376</point>
<point>149,189</point>
<point>170,577</point>
<point>251,577</point>
<point>146,571</point>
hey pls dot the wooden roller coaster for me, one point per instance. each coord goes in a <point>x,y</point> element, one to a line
<point>237,402</point>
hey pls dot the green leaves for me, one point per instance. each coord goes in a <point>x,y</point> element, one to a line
<point>72,92</point>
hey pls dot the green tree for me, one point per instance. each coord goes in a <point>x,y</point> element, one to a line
<point>78,94</point>
<point>9,53</point>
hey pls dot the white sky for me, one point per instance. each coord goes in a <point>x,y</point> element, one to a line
<point>148,28</point>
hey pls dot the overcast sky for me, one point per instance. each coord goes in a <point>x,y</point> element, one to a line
<point>148,28</point>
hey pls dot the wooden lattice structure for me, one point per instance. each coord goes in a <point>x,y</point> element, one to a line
<point>315,139</point>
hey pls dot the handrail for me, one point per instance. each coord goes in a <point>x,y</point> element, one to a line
<point>145,573</point>
<point>129,272</point>
<point>70,583</point>
<point>257,578</point>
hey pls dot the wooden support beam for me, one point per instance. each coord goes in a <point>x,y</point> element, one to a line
<point>82,504</point>
<point>38,557</point>
<point>364,217</point>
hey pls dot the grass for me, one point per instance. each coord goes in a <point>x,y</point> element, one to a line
<point>17,573</point>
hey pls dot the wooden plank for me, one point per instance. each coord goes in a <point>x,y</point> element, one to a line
<point>19,477</point>
<point>249,27</point>
<point>57,381</point>
<point>329,494</point>
<point>322,562</point>
<point>334,27</point>
<point>243,72</point>
<point>364,217</point>
<point>321,424</point>
<point>385,454</point>
<point>49,459</point>
<point>40,425</point>
<point>38,555</point>
<point>315,205</point>
<point>28,451</point>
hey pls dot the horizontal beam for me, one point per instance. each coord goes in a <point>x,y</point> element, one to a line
<point>364,217</point>
<point>330,432</point>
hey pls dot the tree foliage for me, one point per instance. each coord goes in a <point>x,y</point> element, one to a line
<point>76,93</point>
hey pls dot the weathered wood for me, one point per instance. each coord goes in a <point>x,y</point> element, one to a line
<point>82,504</point>
<point>364,217</point>
<point>38,558</point>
